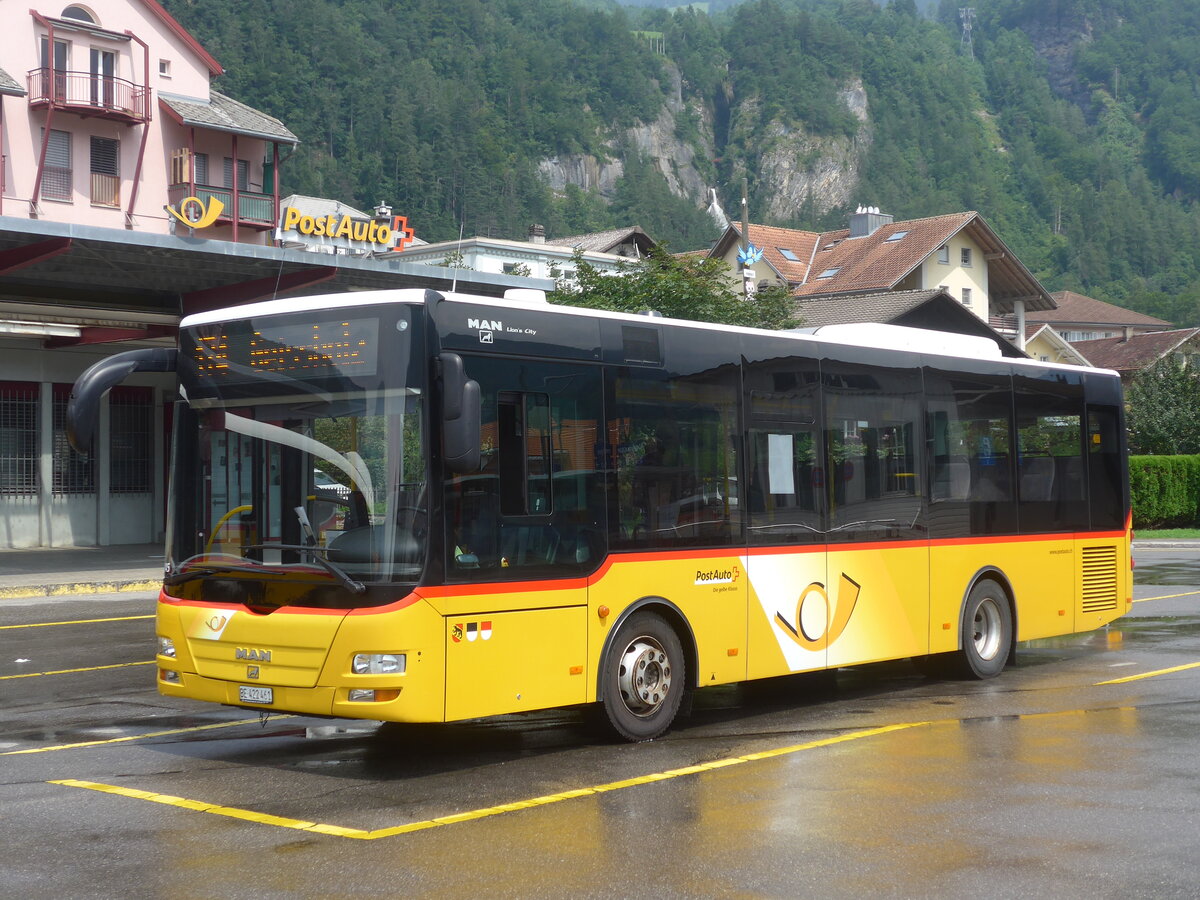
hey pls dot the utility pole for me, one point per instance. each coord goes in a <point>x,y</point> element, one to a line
<point>967,15</point>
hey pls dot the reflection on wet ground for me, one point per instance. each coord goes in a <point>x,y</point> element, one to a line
<point>1167,573</point>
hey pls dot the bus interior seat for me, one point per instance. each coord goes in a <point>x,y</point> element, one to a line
<point>1037,478</point>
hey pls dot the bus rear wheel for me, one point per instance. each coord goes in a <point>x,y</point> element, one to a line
<point>987,631</point>
<point>644,678</point>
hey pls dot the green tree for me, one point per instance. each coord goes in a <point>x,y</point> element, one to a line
<point>1164,410</point>
<point>680,287</point>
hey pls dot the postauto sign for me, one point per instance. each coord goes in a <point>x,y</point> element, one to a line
<point>395,236</point>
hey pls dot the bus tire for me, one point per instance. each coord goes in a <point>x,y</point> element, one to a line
<point>987,631</point>
<point>644,678</point>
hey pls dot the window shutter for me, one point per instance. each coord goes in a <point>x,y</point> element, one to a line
<point>106,157</point>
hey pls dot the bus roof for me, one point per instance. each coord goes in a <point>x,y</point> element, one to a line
<point>872,335</point>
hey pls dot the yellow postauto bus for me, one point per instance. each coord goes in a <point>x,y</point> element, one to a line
<point>416,507</point>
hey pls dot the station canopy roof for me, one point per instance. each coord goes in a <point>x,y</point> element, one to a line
<point>115,285</point>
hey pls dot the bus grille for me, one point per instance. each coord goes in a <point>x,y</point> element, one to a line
<point>1099,578</point>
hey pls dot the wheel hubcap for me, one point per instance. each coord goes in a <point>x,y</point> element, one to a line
<point>987,629</point>
<point>644,676</point>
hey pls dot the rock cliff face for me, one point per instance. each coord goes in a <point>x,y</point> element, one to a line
<point>675,157</point>
<point>795,170</point>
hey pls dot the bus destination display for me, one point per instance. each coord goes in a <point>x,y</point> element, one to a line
<point>302,350</point>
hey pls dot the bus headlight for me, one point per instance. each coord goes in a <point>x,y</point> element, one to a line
<point>379,663</point>
<point>166,647</point>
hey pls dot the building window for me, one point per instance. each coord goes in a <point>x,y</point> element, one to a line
<point>131,414</point>
<point>966,296</point>
<point>106,172</point>
<point>79,14</point>
<point>164,68</point>
<point>102,86</point>
<point>201,168</point>
<point>18,438</point>
<point>897,236</point>
<point>829,273</point>
<point>964,256</point>
<point>57,176</point>
<point>788,255</point>
<point>243,174</point>
<point>73,473</point>
<point>944,254</point>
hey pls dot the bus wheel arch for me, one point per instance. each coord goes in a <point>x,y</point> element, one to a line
<point>647,666</point>
<point>987,625</point>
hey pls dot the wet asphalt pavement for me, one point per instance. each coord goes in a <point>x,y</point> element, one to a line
<point>1074,774</point>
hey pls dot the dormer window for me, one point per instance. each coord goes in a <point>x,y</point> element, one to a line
<point>79,14</point>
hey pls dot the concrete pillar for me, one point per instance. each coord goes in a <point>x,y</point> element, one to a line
<point>1019,309</point>
<point>103,476</point>
<point>45,463</point>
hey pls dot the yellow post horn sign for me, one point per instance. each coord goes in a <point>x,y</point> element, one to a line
<point>200,219</point>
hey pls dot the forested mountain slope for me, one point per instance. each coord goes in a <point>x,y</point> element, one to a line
<point>1074,127</point>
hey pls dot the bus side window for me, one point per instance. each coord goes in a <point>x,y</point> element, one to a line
<point>676,459</point>
<point>969,441</point>
<point>783,496</point>
<point>874,480</point>
<point>1050,462</point>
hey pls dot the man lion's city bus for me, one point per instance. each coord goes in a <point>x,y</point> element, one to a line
<point>415,507</point>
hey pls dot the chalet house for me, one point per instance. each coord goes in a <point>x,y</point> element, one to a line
<point>1080,318</point>
<point>958,254</point>
<point>934,309</point>
<point>1130,355</point>
<point>108,118</point>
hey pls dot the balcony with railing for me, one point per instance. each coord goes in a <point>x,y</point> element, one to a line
<point>250,209</point>
<point>88,94</point>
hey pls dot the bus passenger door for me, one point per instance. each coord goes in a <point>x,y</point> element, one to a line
<point>784,497</point>
<point>522,534</point>
<point>877,586</point>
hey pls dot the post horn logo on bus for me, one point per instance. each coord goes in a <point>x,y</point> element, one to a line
<point>194,214</point>
<point>815,626</point>
<point>397,236</point>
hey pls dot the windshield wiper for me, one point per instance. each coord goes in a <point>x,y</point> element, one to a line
<point>355,587</point>
<point>202,572</point>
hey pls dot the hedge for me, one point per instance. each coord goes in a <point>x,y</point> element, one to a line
<point>1165,491</point>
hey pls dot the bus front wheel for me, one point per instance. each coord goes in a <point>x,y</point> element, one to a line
<point>644,678</point>
<point>986,631</point>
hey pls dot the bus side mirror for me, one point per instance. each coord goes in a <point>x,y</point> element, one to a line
<point>83,408</point>
<point>460,416</point>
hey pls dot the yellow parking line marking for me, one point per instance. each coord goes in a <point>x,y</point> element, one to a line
<point>1166,597</point>
<point>471,815</point>
<point>77,622</point>
<point>1155,674</point>
<point>75,671</point>
<point>138,737</point>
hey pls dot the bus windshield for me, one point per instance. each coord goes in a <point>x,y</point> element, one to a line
<point>295,483</point>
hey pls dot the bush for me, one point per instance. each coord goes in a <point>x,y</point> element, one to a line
<point>1165,491</point>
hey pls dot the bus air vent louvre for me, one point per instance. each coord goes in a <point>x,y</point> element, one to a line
<point>1099,579</point>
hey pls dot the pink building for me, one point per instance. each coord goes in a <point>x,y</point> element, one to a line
<point>108,119</point>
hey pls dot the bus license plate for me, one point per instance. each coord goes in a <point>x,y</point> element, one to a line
<point>248,694</point>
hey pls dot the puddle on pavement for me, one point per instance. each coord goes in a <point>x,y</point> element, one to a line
<point>1167,573</point>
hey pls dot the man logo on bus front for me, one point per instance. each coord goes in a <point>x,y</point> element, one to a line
<point>815,626</point>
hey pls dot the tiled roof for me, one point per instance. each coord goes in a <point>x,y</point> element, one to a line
<point>1077,309</point>
<point>605,241</point>
<point>1138,352</point>
<point>9,85</point>
<point>884,306</point>
<point>223,113</point>
<point>774,241</point>
<point>873,262</point>
<point>932,308</point>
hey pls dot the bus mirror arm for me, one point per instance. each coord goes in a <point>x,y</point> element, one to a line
<point>83,407</point>
<point>460,416</point>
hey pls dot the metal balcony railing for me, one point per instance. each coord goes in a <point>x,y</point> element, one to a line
<point>89,94</point>
<point>252,208</point>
